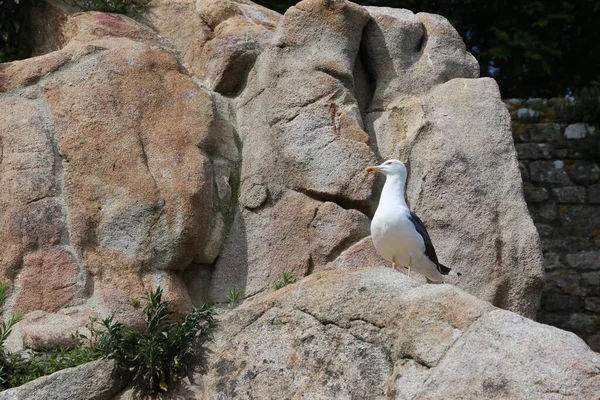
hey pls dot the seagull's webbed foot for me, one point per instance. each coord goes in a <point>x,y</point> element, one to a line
<point>394,265</point>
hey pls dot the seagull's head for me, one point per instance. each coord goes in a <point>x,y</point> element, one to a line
<point>390,168</point>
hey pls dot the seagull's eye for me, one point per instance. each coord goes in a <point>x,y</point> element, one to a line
<point>388,163</point>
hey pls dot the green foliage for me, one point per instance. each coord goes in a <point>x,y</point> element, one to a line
<point>286,279</point>
<point>155,358</point>
<point>18,369</point>
<point>6,326</point>
<point>135,302</point>
<point>585,107</point>
<point>133,8</point>
<point>5,329</point>
<point>162,353</point>
<point>234,297</point>
<point>13,24</point>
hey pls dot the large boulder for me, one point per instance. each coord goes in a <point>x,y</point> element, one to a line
<point>303,190</point>
<point>428,109</point>
<point>218,40</point>
<point>107,149</point>
<point>325,98</point>
<point>376,334</point>
<point>363,333</point>
<point>221,144</point>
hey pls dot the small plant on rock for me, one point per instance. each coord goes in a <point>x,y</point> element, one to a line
<point>6,326</point>
<point>156,358</point>
<point>5,329</point>
<point>234,297</point>
<point>162,353</point>
<point>135,302</point>
<point>17,369</point>
<point>286,279</point>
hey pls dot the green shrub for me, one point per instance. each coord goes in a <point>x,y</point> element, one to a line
<point>162,353</point>
<point>17,369</point>
<point>155,358</point>
<point>286,279</point>
<point>22,368</point>
<point>5,329</point>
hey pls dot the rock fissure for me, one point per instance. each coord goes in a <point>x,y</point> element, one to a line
<point>58,169</point>
<point>367,322</point>
<point>417,360</point>
<point>343,246</point>
<point>345,203</point>
<point>255,318</point>
<point>250,99</point>
<point>328,322</point>
<point>296,110</point>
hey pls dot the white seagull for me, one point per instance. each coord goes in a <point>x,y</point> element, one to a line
<point>397,233</point>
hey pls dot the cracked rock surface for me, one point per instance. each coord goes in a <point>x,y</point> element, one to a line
<point>376,334</point>
<point>219,144</point>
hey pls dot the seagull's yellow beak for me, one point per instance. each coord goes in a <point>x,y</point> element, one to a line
<point>373,168</point>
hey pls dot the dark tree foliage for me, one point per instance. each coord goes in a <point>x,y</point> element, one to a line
<point>13,15</point>
<point>531,47</point>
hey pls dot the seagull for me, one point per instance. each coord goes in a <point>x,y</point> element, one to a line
<point>398,234</point>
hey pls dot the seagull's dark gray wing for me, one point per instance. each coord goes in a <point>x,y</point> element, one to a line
<point>429,249</point>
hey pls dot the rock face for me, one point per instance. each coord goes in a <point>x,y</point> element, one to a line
<point>105,165</point>
<point>455,134</point>
<point>376,334</point>
<point>222,144</point>
<point>365,334</point>
<point>321,100</point>
<point>91,381</point>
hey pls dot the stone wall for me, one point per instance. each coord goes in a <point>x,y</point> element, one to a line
<point>562,190</point>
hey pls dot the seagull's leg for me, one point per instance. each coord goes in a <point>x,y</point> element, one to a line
<point>394,265</point>
<point>409,265</point>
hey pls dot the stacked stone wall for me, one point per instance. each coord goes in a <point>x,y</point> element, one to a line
<point>561,184</point>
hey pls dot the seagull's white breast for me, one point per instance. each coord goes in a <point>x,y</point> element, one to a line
<point>394,235</point>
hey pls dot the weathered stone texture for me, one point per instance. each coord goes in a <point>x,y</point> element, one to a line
<point>364,333</point>
<point>219,144</point>
<point>106,180</point>
<point>375,334</point>
<point>443,127</point>
<point>563,198</point>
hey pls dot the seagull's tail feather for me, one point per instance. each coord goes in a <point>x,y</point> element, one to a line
<point>448,271</point>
